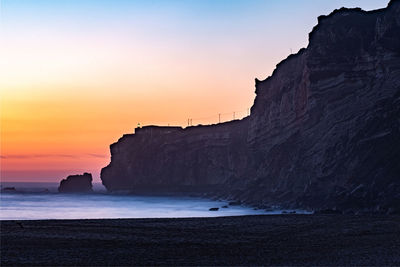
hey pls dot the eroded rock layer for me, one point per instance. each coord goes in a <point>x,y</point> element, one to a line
<point>324,130</point>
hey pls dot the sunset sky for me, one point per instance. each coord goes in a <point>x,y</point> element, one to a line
<point>77,74</point>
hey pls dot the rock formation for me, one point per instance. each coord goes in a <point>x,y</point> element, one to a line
<point>324,130</point>
<point>9,190</point>
<point>76,184</point>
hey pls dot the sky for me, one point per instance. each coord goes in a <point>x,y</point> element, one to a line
<point>75,75</point>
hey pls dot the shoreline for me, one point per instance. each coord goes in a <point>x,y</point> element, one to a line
<point>37,206</point>
<point>289,239</point>
<point>157,218</point>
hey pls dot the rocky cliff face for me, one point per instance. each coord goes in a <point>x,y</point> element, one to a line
<point>324,130</point>
<point>173,159</point>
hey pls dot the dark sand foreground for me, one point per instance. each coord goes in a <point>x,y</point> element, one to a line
<point>247,240</point>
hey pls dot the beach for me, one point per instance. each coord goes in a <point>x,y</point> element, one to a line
<point>241,240</point>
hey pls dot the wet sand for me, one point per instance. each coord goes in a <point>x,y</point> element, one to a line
<point>247,240</point>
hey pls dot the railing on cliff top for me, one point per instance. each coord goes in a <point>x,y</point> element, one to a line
<point>207,120</point>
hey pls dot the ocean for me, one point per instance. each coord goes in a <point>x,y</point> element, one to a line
<point>34,201</point>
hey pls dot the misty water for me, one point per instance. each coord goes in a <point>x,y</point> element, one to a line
<point>32,201</point>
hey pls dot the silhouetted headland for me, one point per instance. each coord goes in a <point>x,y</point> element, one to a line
<point>323,134</point>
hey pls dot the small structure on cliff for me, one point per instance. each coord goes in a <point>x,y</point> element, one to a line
<point>76,184</point>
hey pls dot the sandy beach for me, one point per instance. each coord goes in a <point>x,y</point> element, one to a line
<point>245,240</point>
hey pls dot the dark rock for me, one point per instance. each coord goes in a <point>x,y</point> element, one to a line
<point>324,129</point>
<point>213,209</point>
<point>225,207</point>
<point>9,189</point>
<point>76,184</point>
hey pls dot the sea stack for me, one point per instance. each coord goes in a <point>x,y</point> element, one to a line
<point>76,184</point>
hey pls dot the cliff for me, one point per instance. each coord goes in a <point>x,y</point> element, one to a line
<point>172,159</point>
<point>76,184</point>
<point>324,130</point>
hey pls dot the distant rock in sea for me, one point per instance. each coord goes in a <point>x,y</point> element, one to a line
<point>76,184</point>
<point>9,189</point>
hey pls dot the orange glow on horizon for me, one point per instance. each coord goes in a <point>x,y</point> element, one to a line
<point>53,133</point>
<point>77,75</point>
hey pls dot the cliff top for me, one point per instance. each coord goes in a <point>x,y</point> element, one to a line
<point>339,18</point>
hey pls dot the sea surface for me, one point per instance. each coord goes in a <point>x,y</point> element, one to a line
<point>32,201</point>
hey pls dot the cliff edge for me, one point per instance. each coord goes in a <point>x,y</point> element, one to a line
<point>324,130</point>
